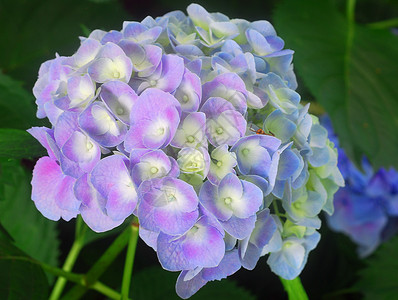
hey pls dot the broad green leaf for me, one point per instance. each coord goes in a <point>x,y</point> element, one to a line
<point>20,278</point>
<point>17,106</point>
<point>379,280</point>
<point>4,234</point>
<point>157,284</point>
<point>16,143</point>
<point>33,233</point>
<point>294,289</point>
<point>353,76</point>
<point>40,28</point>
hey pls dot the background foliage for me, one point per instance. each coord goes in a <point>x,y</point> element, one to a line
<point>345,62</point>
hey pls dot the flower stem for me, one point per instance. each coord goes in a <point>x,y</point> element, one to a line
<point>128,266</point>
<point>105,290</point>
<point>384,24</point>
<point>100,266</point>
<point>70,260</point>
<point>294,289</point>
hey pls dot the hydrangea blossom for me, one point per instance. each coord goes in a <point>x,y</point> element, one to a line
<point>366,209</point>
<point>192,124</point>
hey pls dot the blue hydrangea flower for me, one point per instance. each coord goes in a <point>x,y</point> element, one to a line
<point>190,122</point>
<point>366,207</point>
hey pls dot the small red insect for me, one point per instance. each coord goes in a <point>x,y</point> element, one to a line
<point>260,131</point>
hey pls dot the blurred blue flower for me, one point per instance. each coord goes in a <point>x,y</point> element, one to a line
<point>366,209</point>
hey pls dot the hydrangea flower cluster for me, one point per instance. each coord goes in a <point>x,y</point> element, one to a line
<point>192,124</point>
<point>366,209</point>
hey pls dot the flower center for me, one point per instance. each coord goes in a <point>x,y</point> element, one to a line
<point>219,164</point>
<point>245,151</point>
<point>190,139</point>
<point>160,131</point>
<point>185,98</point>
<point>171,198</point>
<point>119,110</point>
<point>154,170</point>
<point>297,205</point>
<point>152,82</point>
<point>89,145</point>
<point>219,130</point>
<point>228,200</point>
<point>116,74</point>
<point>194,229</point>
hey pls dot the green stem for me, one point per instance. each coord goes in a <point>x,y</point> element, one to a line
<point>100,266</point>
<point>384,24</point>
<point>128,266</point>
<point>80,279</point>
<point>350,10</point>
<point>70,259</point>
<point>275,207</point>
<point>105,290</point>
<point>294,289</point>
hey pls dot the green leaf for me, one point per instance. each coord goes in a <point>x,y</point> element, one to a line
<point>17,108</point>
<point>379,280</point>
<point>4,234</point>
<point>20,277</point>
<point>157,284</point>
<point>294,289</point>
<point>351,70</point>
<point>40,28</point>
<point>16,143</point>
<point>33,233</point>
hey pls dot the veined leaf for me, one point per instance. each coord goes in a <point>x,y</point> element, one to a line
<point>17,106</point>
<point>379,280</point>
<point>16,143</point>
<point>351,70</point>
<point>33,233</point>
<point>20,278</point>
<point>40,28</point>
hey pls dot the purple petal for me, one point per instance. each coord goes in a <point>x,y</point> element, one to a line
<point>112,36</point>
<point>110,172</point>
<point>214,106</point>
<point>172,73</point>
<point>154,120</point>
<point>167,219</point>
<point>189,92</point>
<point>149,237</point>
<point>66,125</point>
<point>80,148</point>
<point>229,86</point>
<point>80,89</point>
<point>191,131</point>
<point>42,134</point>
<point>154,164</point>
<point>86,53</point>
<point>101,126</point>
<point>239,228</point>
<point>92,207</point>
<point>186,286</point>
<point>119,97</point>
<point>111,63</point>
<point>250,202</point>
<point>167,204</point>
<point>121,202</point>
<point>209,198</point>
<point>226,128</point>
<point>141,34</point>
<point>258,42</point>
<point>47,184</point>
<point>201,246</point>
<point>145,58</point>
